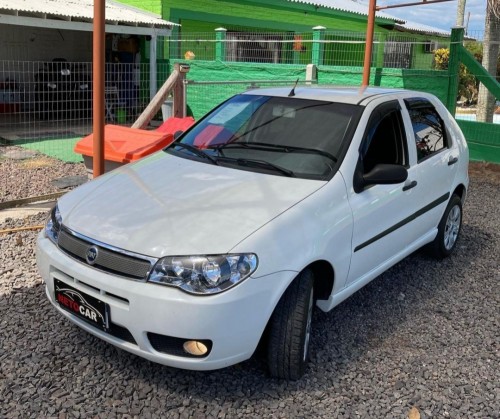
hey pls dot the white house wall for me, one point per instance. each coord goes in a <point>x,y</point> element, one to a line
<point>39,44</point>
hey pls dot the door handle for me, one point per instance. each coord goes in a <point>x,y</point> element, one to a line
<point>410,185</point>
<point>452,160</point>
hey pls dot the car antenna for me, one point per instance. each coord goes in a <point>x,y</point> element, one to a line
<point>292,92</point>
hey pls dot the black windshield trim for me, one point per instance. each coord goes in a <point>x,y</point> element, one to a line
<point>275,148</point>
<point>261,163</point>
<point>195,150</point>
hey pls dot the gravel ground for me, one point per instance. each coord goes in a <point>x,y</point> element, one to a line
<point>422,340</point>
<point>22,178</point>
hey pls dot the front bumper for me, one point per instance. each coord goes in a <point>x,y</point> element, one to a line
<point>233,320</point>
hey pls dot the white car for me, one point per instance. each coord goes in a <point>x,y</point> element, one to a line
<point>278,200</point>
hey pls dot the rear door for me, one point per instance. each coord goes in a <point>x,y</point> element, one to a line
<point>436,160</point>
<point>390,221</point>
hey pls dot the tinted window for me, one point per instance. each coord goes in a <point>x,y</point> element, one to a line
<point>384,142</point>
<point>428,129</point>
<point>304,136</point>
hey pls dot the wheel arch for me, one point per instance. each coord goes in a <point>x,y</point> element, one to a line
<point>461,192</point>
<point>324,278</point>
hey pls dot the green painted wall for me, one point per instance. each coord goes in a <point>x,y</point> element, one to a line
<point>344,53</point>
<point>204,16</point>
<point>149,5</point>
<point>198,36</point>
<point>271,14</point>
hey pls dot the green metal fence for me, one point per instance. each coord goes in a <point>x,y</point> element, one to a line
<point>224,63</point>
<point>320,47</point>
<point>481,126</point>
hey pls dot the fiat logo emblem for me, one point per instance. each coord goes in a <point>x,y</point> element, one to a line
<point>91,255</point>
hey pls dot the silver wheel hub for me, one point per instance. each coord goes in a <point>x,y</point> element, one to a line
<point>452,227</point>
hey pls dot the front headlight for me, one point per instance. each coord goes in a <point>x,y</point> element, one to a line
<point>53,225</point>
<point>203,274</point>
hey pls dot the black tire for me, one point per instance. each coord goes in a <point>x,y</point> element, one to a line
<point>290,328</point>
<point>448,230</point>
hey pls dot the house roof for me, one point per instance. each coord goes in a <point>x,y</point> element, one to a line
<point>349,6</point>
<point>83,11</point>
<point>352,6</point>
<point>420,28</point>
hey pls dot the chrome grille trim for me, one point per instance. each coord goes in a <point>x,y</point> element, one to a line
<point>110,259</point>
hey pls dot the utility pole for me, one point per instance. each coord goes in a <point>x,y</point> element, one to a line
<point>460,13</point>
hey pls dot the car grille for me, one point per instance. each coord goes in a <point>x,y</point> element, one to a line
<point>108,260</point>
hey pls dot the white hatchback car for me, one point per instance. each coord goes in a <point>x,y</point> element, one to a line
<point>276,201</point>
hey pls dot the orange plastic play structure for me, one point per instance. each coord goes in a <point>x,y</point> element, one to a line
<point>124,145</point>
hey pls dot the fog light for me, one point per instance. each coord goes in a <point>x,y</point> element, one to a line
<point>193,347</point>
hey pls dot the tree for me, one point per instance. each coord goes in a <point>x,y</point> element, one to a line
<point>486,101</point>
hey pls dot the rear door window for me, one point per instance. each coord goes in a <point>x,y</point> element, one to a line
<point>428,128</point>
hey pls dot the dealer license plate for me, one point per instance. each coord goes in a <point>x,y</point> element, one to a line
<point>82,305</point>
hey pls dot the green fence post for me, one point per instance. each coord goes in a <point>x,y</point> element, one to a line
<point>457,38</point>
<point>220,45</point>
<point>318,48</point>
<point>380,40</point>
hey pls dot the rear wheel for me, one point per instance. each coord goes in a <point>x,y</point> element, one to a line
<point>290,329</point>
<point>448,230</point>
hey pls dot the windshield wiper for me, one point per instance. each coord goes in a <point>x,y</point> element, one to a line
<point>194,150</point>
<point>277,147</point>
<point>262,163</point>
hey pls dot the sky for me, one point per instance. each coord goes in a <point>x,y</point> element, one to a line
<point>439,15</point>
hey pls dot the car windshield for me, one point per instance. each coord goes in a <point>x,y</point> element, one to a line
<point>276,135</point>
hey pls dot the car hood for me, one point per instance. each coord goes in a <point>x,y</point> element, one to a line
<point>168,205</point>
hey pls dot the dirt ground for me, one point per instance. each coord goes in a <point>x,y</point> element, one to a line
<point>490,171</point>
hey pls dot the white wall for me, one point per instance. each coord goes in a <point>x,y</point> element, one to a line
<point>23,50</point>
<point>22,43</point>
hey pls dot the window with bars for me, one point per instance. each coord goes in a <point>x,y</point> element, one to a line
<point>255,47</point>
<point>398,54</point>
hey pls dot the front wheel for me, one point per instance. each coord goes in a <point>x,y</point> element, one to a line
<point>448,230</point>
<point>290,329</point>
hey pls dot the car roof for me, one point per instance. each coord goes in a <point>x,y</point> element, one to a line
<point>350,95</point>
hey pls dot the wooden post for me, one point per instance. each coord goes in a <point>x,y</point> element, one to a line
<point>369,42</point>
<point>180,108</point>
<point>98,40</point>
<point>152,66</point>
<point>155,105</point>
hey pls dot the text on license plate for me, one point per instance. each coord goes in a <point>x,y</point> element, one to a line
<point>82,305</point>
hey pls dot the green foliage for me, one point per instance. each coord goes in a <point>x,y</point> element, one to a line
<point>476,49</point>
<point>441,58</point>
<point>468,86</point>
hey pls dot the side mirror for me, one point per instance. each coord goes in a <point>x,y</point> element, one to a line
<point>177,134</point>
<point>386,174</point>
<point>381,174</point>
